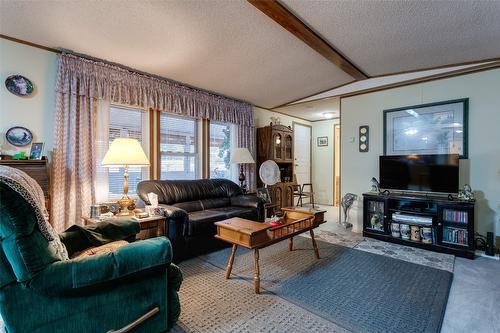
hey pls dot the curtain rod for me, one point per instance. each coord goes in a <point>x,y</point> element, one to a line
<point>133,70</point>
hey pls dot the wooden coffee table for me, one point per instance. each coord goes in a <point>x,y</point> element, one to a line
<point>255,235</point>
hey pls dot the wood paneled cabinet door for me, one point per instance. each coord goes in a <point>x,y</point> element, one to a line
<point>288,147</point>
<point>277,146</point>
<point>288,195</point>
<point>277,194</point>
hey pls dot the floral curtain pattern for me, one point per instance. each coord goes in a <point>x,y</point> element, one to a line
<point>81,84</point>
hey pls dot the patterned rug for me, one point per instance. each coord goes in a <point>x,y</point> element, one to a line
<point>347,290</point>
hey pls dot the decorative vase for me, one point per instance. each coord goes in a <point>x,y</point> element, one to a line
<point>405,231</point>
<point>395,230</point>
<point>415,233</point>
<point>426,235</point>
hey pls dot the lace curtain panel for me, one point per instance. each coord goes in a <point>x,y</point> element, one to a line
<point>81,86</point>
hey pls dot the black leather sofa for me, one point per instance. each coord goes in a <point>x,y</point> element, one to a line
<point>193,206</point>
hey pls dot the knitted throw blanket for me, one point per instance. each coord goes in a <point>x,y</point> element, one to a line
<point>29,189</point>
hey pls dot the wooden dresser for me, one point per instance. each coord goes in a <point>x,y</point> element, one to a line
<point>37,169</point>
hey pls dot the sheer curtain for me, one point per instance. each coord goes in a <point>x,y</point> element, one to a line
<point>246,139</point>
<point>73,171</point>
<point>101,179</point>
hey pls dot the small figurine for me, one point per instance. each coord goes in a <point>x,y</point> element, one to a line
<point>275,221</point>
<point>346,204</point>
<point>275,121</point>
<point>375,185</point>
<point>466,194</point>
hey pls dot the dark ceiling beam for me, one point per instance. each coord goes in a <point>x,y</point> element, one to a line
<point>299,29</point>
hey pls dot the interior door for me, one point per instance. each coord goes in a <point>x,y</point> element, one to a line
<point>302,152</point>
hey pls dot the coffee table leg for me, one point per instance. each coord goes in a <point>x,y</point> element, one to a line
<point>290,244</point>
<point>230,262</point>
<point>256,278</point>
<point>315,246</point>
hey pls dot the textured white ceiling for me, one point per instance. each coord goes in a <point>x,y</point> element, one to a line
<point>383,37</point>
<point>227,47</point>
<point>313,110</point>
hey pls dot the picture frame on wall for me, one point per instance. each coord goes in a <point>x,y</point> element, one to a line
<point>36,151</point>
<point>322,141</point>
<point>434,128</point>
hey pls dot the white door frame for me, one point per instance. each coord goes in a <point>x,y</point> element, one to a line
<point>294,123</point>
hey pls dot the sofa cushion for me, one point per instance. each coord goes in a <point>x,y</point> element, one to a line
<point>189,206</point>
<point>202,222</point>
<point>232,211</point>
<point>215,203</point>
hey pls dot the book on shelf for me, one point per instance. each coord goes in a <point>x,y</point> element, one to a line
<point>457,236</point>
<point>452,215</point>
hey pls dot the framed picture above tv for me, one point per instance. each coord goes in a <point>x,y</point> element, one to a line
<point>435,128</point>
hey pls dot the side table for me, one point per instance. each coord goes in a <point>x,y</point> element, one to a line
<point>152,226</point>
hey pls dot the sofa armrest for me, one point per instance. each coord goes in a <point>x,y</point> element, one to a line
<point>247,200</point>
<point>175,213</point>
<point>251,201</point>
<point>66,277</point>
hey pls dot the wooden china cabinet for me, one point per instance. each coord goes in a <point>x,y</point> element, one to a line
<point>275,142</point>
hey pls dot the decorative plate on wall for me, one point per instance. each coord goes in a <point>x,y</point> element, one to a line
<point>19,136</point>
<point>19,85</point>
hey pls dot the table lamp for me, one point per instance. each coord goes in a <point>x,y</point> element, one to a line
<point>241,156</point>
<point>125,152</point>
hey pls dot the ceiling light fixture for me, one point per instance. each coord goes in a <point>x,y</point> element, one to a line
<point>328,115</point>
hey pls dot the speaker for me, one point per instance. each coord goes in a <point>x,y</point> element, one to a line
<point>489,244</point>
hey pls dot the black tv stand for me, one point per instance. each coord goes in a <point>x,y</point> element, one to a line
<point>452,220</point>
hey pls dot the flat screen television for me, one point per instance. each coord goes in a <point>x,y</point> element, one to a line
<point>423,173</point>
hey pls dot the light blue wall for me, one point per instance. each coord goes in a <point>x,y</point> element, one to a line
<point>35,111</point>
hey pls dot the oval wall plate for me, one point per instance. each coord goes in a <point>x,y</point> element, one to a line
<point>19,136</point>
<point>19,85</point>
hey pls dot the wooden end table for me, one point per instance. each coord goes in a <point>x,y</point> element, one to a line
<point>152,226</point>
<point>256,235</point>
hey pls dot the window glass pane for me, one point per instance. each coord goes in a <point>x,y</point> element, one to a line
<point>178,147</point>
<point>177,135</point>
<point>178,167</point>
<point>220,150</point>
<point>125,123</point>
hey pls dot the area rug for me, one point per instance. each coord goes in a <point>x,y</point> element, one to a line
<point>397,251</point>
<point>356,290</point>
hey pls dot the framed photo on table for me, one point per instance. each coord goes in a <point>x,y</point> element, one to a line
<point>263,193</point>
<point>36,151</point>
<point>435,128</point>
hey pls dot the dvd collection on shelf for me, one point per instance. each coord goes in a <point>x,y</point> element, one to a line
<point>451,215</point>
<point>454,235</point>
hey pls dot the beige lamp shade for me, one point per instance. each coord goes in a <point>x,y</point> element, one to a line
<point>241,155</point>
<point>125,151</point>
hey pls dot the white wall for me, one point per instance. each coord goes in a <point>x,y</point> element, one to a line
<point>322,158</point>
<point>35,111</point>
<point>481,170</point>
<point>323,161</point>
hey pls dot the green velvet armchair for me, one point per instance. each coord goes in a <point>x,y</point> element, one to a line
<point>40,292</point>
